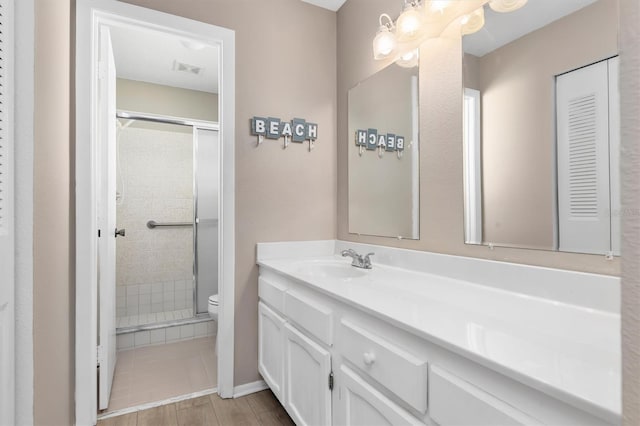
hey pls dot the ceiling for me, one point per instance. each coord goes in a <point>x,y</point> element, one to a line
<point>503,28</point>
<point>333,5</point>
<point>155,57</point>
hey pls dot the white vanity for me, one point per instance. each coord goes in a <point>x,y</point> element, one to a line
<point>432,339</point>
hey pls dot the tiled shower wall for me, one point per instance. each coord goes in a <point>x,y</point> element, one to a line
<point>154,267</point>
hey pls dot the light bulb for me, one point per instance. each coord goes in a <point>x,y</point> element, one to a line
<point>384,43</point>
<point>408,59</point>
<point>409,24</point>
<point>506,5</point>
<point>473,22</point>
<point>439,5</point>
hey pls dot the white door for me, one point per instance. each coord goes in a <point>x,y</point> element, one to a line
<point>107,219</point>
<point>583,160</point>
<point>362,405</point>
<point>307,370</point>
<point>270,349</point>
<point>7,256</point>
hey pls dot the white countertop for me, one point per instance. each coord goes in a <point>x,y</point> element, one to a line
<point>570,352</point>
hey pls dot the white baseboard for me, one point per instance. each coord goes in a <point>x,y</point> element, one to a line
<point>249,388</point>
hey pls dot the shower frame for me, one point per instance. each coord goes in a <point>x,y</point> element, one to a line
<point>194,124</point>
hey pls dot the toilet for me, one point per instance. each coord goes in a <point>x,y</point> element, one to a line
<point>213,307</point>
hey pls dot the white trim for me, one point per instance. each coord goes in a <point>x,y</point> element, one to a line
<point>91,14</point>
<point>23,136</point>
<point>415,158</point>
<point>7,220</point>
<point>249,388</point>
<point>157,403</point>
<point>472,160</point>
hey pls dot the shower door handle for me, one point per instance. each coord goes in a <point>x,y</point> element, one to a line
<point>119,232</point>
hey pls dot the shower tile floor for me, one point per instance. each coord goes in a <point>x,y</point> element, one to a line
<point>152,318</point>
<point>155,373</point>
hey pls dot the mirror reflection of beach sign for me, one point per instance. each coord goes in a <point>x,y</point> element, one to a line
<point>297,130</point>
<point>372,140</point>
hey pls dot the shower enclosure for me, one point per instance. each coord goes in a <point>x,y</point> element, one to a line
<point>167,184</point>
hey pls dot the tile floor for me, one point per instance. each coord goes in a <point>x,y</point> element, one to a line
<point>260,408</point>
<point>154,373</point>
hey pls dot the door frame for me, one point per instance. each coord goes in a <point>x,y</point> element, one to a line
<point>90,16</point>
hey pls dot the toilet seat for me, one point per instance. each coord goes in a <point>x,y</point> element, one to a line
<point>213,300</point>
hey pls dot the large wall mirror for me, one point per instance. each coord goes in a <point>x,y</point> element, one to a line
<point>541,128</point>
<point>383,154</point>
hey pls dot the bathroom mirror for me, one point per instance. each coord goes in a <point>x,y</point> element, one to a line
<point>384,154</point>
<point>541,130</point>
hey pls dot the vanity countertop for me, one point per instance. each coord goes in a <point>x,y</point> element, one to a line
<point>569,351</point>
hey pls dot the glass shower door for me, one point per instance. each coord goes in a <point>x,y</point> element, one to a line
<point>207,185</point>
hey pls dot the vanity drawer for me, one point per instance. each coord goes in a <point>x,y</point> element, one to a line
<point>311,315</point>
<point>454,401</point>
<point>399,371</point>
<point>272,293</point>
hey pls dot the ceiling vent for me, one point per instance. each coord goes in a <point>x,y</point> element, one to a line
<point>190,69</point>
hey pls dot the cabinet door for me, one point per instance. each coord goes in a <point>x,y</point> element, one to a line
<point>271,349</point>
<point>307,370</point>
<point>361,404</point>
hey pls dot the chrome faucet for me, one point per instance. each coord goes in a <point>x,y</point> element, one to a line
<point>359,261</point>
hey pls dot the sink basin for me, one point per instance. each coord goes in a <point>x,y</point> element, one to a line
<point>338,270</point>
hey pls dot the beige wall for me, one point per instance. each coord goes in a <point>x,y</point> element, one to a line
<point>152,98</point>
<point>53,236</point>
<point>630,131</point>
<point>441,190</point>
<point>516,83</point>
<point>286,68</point>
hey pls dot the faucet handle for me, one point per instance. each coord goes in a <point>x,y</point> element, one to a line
<point>367,260</point>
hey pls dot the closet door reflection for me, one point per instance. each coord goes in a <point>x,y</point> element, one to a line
<point>207,185</point>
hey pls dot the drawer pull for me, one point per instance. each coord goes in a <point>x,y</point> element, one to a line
<point>369,358</point>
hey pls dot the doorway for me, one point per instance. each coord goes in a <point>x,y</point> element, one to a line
<point>102,315</point>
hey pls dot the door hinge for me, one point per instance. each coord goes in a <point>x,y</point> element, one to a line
<point>331,381</point>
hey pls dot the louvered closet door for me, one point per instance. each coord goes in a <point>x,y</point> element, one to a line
<point>7,347</point>
<point>583,160</point>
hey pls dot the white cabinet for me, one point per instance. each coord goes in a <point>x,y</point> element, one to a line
<point>271,349</point>
<point>361,404</point>
<point>448,394</point>
<point>393,367</point>
<point>307,371</point>
<point>295,365</point>
<point>384,375</point>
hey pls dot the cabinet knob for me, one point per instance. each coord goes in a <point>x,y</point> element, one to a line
<point>369,358</point>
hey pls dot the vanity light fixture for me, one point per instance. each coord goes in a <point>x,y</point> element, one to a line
<point>472,22</point>
<point>438,5</point>
<point>421,20</point>
<point>385,41</point>
<point>504,6</point>
<point>409,59</point>
<point>410,22</point>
